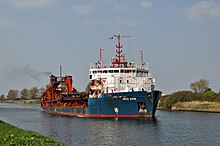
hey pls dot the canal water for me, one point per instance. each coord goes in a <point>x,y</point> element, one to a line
<point>171,128</point>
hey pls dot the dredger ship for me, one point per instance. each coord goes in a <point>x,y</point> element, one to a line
<point>119,90</point>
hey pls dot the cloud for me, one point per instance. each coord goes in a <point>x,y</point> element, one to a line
<point>93,22</point>
<point>89,22</point>
<point>124,22</point>
<point>131,23</point>
<point>45,26</point>
<point>84,9</point>
<point>6,23</point>
<point>171,8</point>
<point>26,4</point>
<point>174,8</point>
<point>7,40</point>
<point>119,8</point>
<point>203,10</point>
<point>146,4</point>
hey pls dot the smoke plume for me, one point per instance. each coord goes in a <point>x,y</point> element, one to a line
<point>26,72</point>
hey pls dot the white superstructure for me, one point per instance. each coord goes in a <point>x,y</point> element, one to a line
<point>120,76</point>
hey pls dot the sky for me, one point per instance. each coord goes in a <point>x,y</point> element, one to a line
<point>180,40</point>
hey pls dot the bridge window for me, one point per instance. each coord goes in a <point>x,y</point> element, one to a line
<point>116,71</point>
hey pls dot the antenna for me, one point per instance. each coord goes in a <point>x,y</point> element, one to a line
<point>142,59</point>
<point>60,71</point>
<point>100,53</point>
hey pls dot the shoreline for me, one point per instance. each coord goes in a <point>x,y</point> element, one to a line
<point>187,110</point>
<point>28,101</point>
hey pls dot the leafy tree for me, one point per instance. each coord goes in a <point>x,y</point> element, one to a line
<point>181,96</point>
<point>170,101</point>
<point>210,95</point>
<point>199,86</point>
<point>2,97</point>
<point>175,97</point>
<point>33,92</point>
<point>24,94</point>
<point>12,94</point>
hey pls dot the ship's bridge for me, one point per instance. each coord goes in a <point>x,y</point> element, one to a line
<point>138,71</point>
<point>118,79</point>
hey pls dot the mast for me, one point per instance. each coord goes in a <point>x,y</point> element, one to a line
<point>119,59</point>
<point>119,51</point>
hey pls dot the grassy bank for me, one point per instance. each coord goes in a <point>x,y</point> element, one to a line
<point>12,136</point>
<point>197,106</point>
<point>191,101</point>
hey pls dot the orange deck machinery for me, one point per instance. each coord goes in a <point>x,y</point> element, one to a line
<point>61,93</point>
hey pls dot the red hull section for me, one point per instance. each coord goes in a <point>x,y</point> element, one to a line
<point>100,115</point>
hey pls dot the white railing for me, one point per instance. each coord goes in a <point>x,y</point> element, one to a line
<point>97,66</point>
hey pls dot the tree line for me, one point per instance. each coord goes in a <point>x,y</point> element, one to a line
<point>24,94</point>
<point>200,92</point>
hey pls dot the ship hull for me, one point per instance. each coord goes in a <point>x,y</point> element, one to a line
<point>115,105</point>
<point>86,115</point>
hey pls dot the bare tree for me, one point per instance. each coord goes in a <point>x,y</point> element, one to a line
<point>200,86</point>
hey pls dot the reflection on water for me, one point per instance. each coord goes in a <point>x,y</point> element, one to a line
<point>170,128</point>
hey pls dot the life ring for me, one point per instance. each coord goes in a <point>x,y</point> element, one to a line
<point>116,110</point>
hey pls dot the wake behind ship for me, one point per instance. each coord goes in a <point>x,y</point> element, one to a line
<point>119,90</point>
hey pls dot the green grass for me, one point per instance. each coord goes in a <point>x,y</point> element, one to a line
<point>13,136</point>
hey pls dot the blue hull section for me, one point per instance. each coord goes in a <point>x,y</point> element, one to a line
<point>123,104</point>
